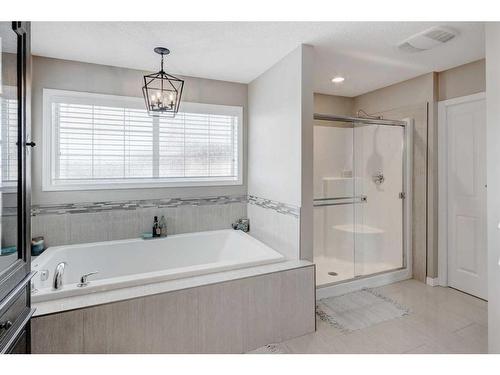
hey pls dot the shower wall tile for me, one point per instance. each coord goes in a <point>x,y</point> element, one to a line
<point>275,223</point>
<point>278,230</point>
<point>89,227</point>
<point>124,224</point>
<point>54,228</point>
<point>185,220</point>
<point>8,230</point>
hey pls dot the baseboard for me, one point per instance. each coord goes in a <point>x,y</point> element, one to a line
<point>432,281</point>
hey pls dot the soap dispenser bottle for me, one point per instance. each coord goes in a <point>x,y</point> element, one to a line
<point>156,227</point>
<point>163,226</point>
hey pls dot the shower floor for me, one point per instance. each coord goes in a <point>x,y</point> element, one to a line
<point>345,269</point>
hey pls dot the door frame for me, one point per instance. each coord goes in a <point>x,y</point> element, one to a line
<point>443,181</point>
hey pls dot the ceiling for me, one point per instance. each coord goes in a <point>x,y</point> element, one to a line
<point>364,53</point>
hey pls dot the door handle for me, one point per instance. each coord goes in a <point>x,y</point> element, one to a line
<point>31,144</point>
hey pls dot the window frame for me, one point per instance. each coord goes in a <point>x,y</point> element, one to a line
<point>77,97</point>
<point>9,93</point>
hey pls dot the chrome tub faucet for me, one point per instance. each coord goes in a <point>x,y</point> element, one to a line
<point>83,280</point>
<point>58,275</point>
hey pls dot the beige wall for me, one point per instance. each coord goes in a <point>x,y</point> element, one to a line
<point>331,104</point>
<point>77,76</point>
<point>403,94</point>
<point>463,80</point>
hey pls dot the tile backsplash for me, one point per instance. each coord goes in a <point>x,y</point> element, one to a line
<point>134,204</point>
<point>64,224</point>
<point>71,224</point>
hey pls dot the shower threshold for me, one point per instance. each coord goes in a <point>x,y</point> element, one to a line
<point>356,277</point>
<point>336,288</point>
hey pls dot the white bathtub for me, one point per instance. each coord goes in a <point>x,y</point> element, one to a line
<point>128,263</point>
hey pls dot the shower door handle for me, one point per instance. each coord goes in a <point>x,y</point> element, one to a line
<point>337,201</point>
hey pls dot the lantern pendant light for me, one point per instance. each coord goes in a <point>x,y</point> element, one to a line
<point>162,91</point>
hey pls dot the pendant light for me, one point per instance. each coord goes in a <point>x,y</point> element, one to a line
<point>162,91</point>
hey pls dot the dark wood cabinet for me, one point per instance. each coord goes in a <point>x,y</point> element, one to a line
<point>15,187</point>
<point>20,345</point>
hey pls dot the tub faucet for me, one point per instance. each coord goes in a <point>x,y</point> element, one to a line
<point>83,280</point>
<point>58,282</point>
<point>242,224</point>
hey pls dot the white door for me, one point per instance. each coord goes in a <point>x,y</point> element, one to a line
<point>465,122</point>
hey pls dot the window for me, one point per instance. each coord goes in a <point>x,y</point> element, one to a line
<point>94,141</point>
<point>8,137</point>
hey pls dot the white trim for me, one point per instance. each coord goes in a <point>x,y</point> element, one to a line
<point>48,149</point>
<point>391,276</point>
<point>8,93</point>
<point>432,281</point>
<point>443,181</point>
<point>408,202</point>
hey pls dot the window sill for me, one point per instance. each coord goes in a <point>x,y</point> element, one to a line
<point>137,185</point>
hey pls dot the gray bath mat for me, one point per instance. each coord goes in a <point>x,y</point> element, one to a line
<point>358,310</point>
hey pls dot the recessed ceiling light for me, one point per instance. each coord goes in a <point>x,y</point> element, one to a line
<point>338,79</point>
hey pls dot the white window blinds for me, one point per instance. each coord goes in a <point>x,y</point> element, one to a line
<point>111,142</point>
<point>102,143</point>
<point>8,134</point>
<point>198,145</point>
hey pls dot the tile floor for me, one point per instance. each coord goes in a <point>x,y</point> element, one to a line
<point>441,320</point>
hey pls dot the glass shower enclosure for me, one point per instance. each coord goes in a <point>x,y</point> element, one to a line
<point>359,194</point>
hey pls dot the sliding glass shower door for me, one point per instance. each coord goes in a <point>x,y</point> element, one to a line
<point>359,200</point>
<point>334,202</point>
<point>378,220</point>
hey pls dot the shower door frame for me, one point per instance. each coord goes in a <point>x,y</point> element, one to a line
<point>397,274</point>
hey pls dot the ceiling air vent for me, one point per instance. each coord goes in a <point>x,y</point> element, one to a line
<point>433,37</point>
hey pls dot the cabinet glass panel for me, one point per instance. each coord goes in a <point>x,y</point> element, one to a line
<point>8,146</point>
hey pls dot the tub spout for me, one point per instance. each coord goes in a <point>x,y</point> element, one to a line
<point>58,282</point>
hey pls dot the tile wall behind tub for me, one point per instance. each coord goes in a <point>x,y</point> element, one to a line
<point>104,221</point>
<point>276,224</point>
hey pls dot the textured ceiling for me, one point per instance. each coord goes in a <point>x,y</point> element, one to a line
<point>364,53</point>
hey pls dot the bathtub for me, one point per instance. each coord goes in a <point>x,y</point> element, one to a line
<point>133,262</point>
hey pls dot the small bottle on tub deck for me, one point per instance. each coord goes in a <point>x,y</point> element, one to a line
<point>163,226</point>
<point>156,227</point>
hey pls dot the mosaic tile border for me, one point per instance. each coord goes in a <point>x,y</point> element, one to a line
<point>94,207</point>
<point>282,208</point>
<point>77,208</point>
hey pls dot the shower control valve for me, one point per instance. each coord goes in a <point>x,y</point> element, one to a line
<point>378,178</point>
